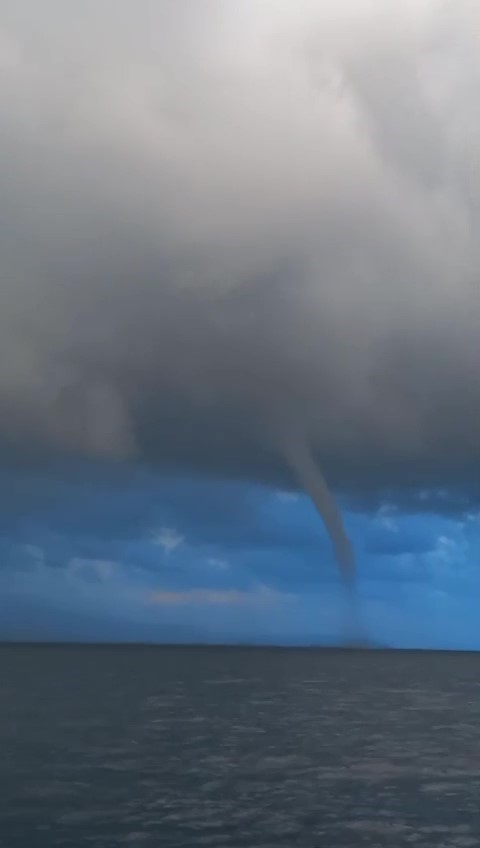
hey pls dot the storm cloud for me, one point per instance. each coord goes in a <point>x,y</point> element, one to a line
<point>229,226</point>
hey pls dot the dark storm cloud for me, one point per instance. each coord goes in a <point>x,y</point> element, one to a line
<point>224,228</point>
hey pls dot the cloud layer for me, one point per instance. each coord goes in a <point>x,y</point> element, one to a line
<point>221,226</point>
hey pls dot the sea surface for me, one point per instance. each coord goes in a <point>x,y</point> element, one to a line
<point>140,746</point>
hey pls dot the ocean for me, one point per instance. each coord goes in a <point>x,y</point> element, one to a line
<point>156,746</point>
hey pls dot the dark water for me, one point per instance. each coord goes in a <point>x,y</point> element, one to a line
<point>216,747</point>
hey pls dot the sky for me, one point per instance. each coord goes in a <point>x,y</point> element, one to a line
<point>147,556</point>
<point>239,312</point>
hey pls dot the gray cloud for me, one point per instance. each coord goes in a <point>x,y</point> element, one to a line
<point>224,224</point>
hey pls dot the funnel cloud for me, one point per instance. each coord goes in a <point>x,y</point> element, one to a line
<point>312,480</point>
<point>218,219</point>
